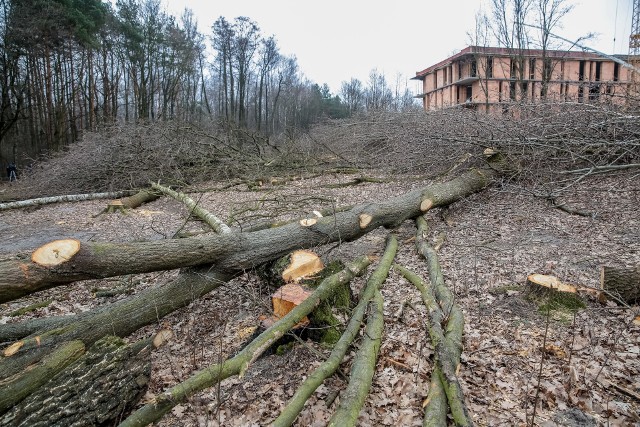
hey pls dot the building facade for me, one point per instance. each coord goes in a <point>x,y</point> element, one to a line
<point>490,78</point>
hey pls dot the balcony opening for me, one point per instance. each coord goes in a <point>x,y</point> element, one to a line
<point>469,95</point>
<point>598,70</point>
<point>474,68</point>
<point>581,70</point>
<point>532,69</point>
<point>489,72</point>
<point>616,72</point>
<point>547,67</point>
<point>581,93</point>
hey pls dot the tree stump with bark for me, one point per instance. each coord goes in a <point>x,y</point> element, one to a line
<point>554,292</point>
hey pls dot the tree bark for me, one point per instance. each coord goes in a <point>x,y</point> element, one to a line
<point>623,282</point>
<point>58,199</point>
<point>19,275</point>
<point>238,364</point>
<point>450,349</point>
<point>97,389</point>
<point>130,202</point>
<point>16,387</point>
<point>140,198</point>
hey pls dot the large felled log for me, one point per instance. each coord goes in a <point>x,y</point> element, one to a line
<point>130,202</point>
<point>622,282</point>
<point>139,199</point>
<point>59,199</point>
<point>329,366</point>
<point>97,389</point>
<point>238,364</point>
<point>121,318</point>
<point>20,275</point>
<point>16,387</point>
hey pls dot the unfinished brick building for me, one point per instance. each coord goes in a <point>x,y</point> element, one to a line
<point>489,78</point>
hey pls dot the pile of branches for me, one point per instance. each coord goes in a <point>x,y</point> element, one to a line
<point>547,139</point>
<point>124,157</point>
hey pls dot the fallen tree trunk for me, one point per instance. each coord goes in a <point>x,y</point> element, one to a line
<point>95,390</point>
<point>238,364</point>
<point>329,366</point>
<point>450,349</point>
<point>22,274</point>
<point>622,282</point>
<point>57,199</point>
<point>130,202</point>
<point>139,199</point>
<point>16,387</point>
<point>121,318</point>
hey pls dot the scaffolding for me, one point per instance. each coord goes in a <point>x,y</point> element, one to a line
<point>634,37</point>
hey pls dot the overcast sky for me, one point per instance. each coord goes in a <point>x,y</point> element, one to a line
<point>337,40</point>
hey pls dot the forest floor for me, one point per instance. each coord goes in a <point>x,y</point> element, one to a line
<point>492,241</point>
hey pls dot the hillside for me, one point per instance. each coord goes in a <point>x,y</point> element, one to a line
<point>579,365</point>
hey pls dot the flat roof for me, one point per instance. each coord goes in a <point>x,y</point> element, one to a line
<point>503,51</point>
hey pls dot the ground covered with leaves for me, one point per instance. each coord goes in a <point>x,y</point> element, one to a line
<point>575,367</point>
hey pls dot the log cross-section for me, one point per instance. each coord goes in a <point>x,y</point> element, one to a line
<point>56,252</point>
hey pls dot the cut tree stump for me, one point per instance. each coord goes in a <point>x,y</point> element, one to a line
<point>130,202</point>
<point>302,264</point>
<point>288,297</point>
<point>554,291</point>
<point>292,268</point>
<point>622,282</point>
<point>549,284</point>
<point>115,206</point>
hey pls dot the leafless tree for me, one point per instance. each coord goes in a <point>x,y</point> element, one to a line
<point>509,19</point>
